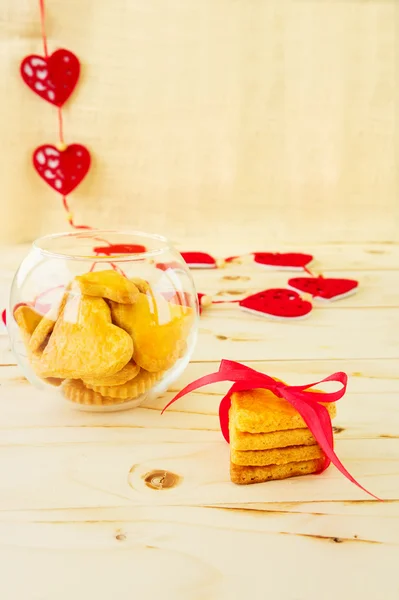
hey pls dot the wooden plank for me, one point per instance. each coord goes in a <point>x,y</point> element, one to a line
<point>196,553</point>
<point>328,257</point>
<point>376,288</point>
<point>228,332</point>
<point>96,474</point>
<point>29,416</point>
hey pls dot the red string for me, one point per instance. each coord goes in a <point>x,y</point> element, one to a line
<point>62,139</point>
<point>60,125</point>
<point>43,26</point>
<point>70,216</point>
<point>224,301</point>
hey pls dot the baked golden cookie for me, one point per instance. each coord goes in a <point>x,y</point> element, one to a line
<point>246,475</point>
<point>141,284</point>
<point>128,372</point>
<point>241,440</point>
<point>158,329</point>
<point>276,456</point>
<point>84,343</point>
<point>131,389</point>
<point>40,336</point>
<point>76,391</point>
<point>260,411</point>
<point>27,320</point>
<point>108,284</point>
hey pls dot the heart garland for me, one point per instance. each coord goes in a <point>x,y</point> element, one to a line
<point>278,303</point>
<point>291,261</point>
<point>53,77</point>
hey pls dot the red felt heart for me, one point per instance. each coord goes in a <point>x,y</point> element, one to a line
<point>324,288</point>
<point>54,77</point>
<point>63,170</point>
<point>120,249</point>
<point>185,299</point>
<point>4,317</point>
<point>280,303</point>
<point>168,265</point>
<point>199,260</point>
<point>285,260</point>
<point>37,306</point>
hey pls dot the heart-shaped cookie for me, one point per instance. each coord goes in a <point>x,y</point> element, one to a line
<point>129,371</point>
<point>285,260</point>
<point>277,303</point>
<point>63,170</point>
<point>324,288</point>
<point>158,329</point>
<point>53,78</point>
<point>130,389</point>
<point>84,343</point>
<point>27,320</point>
<point>108,284</point>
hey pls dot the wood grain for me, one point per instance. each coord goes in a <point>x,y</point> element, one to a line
<point>138,504</point>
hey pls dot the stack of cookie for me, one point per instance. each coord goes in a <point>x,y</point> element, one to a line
<point>107,340</point>
<point>269,439</point>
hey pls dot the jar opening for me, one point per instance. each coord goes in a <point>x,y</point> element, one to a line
<point>100,245</point>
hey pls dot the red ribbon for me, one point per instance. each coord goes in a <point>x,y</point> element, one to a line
<point>306,403</point>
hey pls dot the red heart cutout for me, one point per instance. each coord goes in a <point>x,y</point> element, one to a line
<point>63,170</point>
<point>199,260</point>
<point>184,298</point>
<point>53,78</point>
<point>285,260</point>
<point>324,288</point>
<point>4,317</point>
<point>42,309</point>
<point>169,265</point>
<point>120,249</point>
<point>280,303</point>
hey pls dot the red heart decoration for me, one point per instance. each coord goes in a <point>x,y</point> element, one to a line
<point>324,288</point>
<point>199,260</point>
<point>120,249</point>
<point>4,317</point>
<point>169,265</point>
<point>280,303</point>
<point>53,78</point>
<point>285,260</point>
<point>37,306</point>
<point>63,170</point>
<point>185,299</point>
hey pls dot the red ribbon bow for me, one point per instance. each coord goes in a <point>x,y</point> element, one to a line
<point>306,403</point>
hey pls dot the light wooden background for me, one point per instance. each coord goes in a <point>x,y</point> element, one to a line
<point>272,115</point>
<point>78,521</point>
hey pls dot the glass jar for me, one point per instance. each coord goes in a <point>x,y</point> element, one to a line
<point>104,319</point>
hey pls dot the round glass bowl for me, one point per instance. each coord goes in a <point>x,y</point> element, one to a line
<point>104,319</point>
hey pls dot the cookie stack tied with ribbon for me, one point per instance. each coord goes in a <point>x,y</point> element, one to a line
<point>269,439</point>
<point>275,430</point>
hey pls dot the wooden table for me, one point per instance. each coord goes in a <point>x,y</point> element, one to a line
<point>81,518</point>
